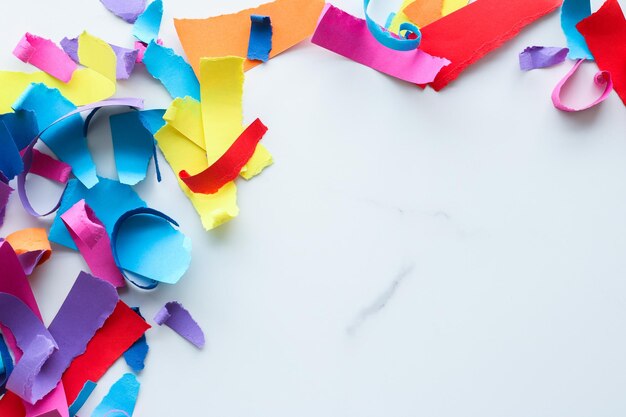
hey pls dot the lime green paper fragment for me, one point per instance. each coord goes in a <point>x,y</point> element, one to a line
<point>87,85</point>
<point>221,93</point>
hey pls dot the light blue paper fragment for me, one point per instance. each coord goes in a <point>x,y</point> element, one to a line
<point>109,199</point>
<point>172,70</point>
<point>121,399</point>
<point>66,138</point>
<point>147,25</point>
<point>82,398</point>
<point>152,119</point>
<point>572,12</point>
<point>150,246</point>
<point>132,146</point>
<point>260,43</point>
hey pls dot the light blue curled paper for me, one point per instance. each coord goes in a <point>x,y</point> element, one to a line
<point>121,399</point>
<point>572,12</point>
<point>147,25</point>
<point>391,40</point>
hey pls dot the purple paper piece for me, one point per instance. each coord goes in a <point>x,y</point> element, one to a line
<point>126,58</point>
<point>176,317</point>
<point>535,57</point>
<point>33,339</point>
<point>5,192</point>
<point>87,306</point>
<point>129,10</point>
<point>29,260</point>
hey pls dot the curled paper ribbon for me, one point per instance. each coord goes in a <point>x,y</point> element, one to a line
<point>389,39</point>
<point>172,263</point>
<point>602,78</point>
<point>28,153</point>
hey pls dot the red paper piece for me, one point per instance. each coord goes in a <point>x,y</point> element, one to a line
<point>123,328</point>
<point>228,166</point>
<point>473,31</point>
<point>605,33</point>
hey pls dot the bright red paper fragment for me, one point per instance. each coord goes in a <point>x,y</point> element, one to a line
<point>120,331</point>
<point>473,31</point>
<point>228,166</point>
<point>605,33</point>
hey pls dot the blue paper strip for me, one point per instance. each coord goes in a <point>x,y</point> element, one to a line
<point>121,399</point>
<point>11,163</point>
<point>389,39</point>
<point>82,398</point>
<point>23,127</point>
<point>260,43</point>
<point>147,25</point>
<point>66,138</point>
<point>152,119</point>
<point>172,70</point>
<point>133,146</point>
<point>109,199</point>
<point>135,356</point>
<point>572,12</point>
<point>6,365</point>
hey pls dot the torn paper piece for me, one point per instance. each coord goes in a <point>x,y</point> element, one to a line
<point>390,39</point>
<point>30,260</point>
<point>88,85</point>
<point>146,243</point>
<point>221,90</point>
<point>260,43</point>
<point>605,33</point>
<point>109,199</point>
<point>31,337</point>
<point>45,55</point>
<point>121,399</point>
<point>5,193</point>
<point>22,125</point>
<point>572,12</point>
<point>47,167</point>
<point>499,21</point>
<point>133,147</point>
<point>147,25</point>
<point>450,6</point>
<point>119,332</point>
<point>182,154</point>
<point>11,163</point>
<point>135,356</point>
<point>228,166</point>
<point>535,57</point>
<point>129,10</point>
<point>175,74</point>
<point>82,398</point>
<point>125,58</point>
<point>66,139</point>
<point>152,120</point>
<point>89,303</point>
<point>177,318</point>
<point>31,241</point>
<point>602,80</point>
<point>429,11</point>
<point>185,115</point>
<point>6,365</point>
<point>92,240</point>
<point>293,21</point>
<point>348,36</point>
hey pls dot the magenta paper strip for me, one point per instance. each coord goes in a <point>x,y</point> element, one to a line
<point>349,36</point>
<point>45,55</point>
<point>601,79</point>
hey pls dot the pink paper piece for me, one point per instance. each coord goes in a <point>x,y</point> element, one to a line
<point>602,78</point>
<point>176,317</point>
<point>349,36</point>
<point>141,49</point>
<point>92,240</point>
<point>45,55</point>
<point>50,168</point>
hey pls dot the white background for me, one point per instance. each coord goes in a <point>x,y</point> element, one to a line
<point>410,253</point>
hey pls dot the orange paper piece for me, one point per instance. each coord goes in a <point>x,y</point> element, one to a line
<point>31,240</point>
<point>426,11</point>
<point>292,22</point>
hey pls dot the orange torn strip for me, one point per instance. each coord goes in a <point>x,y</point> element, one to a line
<point>292,22</point>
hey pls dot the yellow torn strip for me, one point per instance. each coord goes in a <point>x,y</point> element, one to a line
<point>450,6</point>
<point>221,93</point>
<point>185,115</point>
<point>183,154</point>
<point>86,86</point>
<point>400,17</point>
<point>433,10</point>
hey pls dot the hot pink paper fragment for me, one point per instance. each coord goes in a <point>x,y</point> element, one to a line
<point>601,79</point>
<point>45,55</point>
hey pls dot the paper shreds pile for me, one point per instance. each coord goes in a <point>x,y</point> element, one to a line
<point>204,138</point>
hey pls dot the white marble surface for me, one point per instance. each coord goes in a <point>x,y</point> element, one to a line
<point>410,253</point>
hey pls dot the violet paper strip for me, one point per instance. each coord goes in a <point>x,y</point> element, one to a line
<point>601,79</point>
<point>129,10</point>
<point>5,193</point>
<point>45,55</point>
<point>30,260</point>
<point>535,57</point>
<point>89,303</point>
<point>349,36</point>
<point>176,317</point>
<point>92,240</point>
